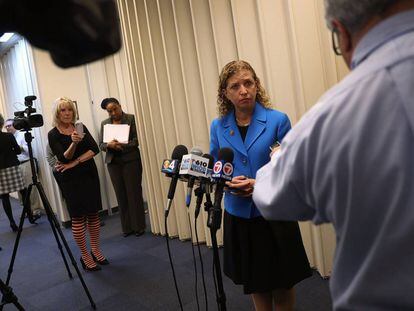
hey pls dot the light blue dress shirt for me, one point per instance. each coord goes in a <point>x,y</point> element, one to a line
<point>350,161</point>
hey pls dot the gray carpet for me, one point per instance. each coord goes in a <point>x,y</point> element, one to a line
<point>138,278</point>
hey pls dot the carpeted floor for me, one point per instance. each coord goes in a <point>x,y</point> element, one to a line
<point>138,278</point>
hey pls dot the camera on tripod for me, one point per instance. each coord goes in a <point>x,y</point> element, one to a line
<point>26,119</point>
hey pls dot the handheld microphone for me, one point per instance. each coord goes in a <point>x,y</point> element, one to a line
<point>171,170</point>
<point>222,172</point>
<point>205,184</point>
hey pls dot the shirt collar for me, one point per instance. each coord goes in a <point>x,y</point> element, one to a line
<point>382,33</point>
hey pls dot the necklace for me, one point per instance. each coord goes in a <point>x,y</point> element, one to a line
<point>241,123</point>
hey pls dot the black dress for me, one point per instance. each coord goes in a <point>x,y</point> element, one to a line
<point>80,184</point>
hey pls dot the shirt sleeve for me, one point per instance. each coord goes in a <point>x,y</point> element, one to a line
<point>277,196</point>
<point>283,186</point>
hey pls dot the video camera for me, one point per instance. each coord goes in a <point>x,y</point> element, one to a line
<point>25,120</point>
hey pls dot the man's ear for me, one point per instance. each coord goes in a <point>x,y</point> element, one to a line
<point>344,36</point>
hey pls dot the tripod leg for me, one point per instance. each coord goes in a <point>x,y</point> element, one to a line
<point>53,225</point>
<point>52,219</point>
<point>16,242</point>
<point>9,296</point>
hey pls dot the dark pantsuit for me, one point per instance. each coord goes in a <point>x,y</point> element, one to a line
<point>126,179</point>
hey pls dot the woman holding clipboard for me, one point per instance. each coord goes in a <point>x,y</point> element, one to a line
<point>124,166</point>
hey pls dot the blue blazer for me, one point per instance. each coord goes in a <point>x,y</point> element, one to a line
<point>266,127</point>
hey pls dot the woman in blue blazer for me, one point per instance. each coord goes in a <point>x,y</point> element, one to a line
<point>266,258</point>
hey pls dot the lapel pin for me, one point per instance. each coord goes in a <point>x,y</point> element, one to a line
<point>231,133</point>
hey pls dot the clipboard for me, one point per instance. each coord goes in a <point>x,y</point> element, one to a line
<point>120,132</point>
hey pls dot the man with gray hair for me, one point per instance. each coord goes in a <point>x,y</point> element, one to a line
<point>349,160</point>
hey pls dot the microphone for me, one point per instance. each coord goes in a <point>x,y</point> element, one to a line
<point>222,172</point>
<point>170,168</point>
<point>205,184</point>
<point>193,166</point>
<point>185,168</point>
<point>191,179</point>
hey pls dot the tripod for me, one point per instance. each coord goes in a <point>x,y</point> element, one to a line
<point>54,224</point>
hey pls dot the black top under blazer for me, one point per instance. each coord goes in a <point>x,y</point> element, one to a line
<point>8,151</point>
<point>130,151</point>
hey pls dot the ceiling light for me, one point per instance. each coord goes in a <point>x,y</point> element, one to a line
<point>6,36</point>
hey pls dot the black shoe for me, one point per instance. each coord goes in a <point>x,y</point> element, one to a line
<point>139,233</point>
<point>86,268</point>
<point>125,234</point>
<point>33,218</point>
<point>14,227</point>
<point>101,262</point>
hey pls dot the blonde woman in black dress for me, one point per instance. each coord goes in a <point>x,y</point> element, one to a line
<point>78,179</point>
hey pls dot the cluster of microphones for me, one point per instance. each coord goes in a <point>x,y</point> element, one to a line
<point>199,169</point>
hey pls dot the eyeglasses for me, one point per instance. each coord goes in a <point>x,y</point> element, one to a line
<point>335,42</point>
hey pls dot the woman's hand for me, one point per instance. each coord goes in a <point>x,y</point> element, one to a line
<point>62,167</point>
<point>114,144</point>
<point>76,138</point>
<point>241,186</point>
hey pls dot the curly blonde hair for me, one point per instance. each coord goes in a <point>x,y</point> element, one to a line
<point>224,106</point>
<point>58,104</point>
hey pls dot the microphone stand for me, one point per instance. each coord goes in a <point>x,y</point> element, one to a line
<point>213,222</point>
